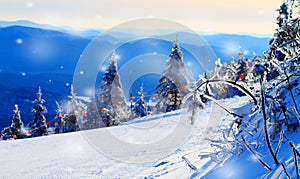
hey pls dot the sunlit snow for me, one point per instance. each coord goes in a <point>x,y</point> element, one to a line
<point>136,155</point>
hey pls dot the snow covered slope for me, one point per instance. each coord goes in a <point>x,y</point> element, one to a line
<point>148,147</point>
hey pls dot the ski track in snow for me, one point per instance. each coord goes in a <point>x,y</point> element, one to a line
<point>77,155</point>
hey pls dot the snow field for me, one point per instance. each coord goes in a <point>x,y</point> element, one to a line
<point>148,147</point>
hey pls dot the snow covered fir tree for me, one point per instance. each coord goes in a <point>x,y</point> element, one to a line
<point>15,130</point>
<point>140,108</point>
<point>38,125</point>
<point>282,69</point>
<point>175,82</point>
<point>112,103</point>
<point>92,118</point>
<point>75,111</point>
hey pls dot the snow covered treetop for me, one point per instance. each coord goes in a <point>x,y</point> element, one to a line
<point>176,52</point>
<point>141,92</point>
<point>113,57</point>
<point>39,102</point>
<point>39,99</point>
<point>16,112</point>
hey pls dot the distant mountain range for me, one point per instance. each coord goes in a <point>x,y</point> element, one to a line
<point>83,32</point>
<point>33,55</point>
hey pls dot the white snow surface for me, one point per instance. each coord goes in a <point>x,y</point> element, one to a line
<point>149,147</point>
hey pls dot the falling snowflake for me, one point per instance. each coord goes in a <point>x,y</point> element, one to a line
<point>81,72</point>
<point>189,63</point>
<point>19,41</point>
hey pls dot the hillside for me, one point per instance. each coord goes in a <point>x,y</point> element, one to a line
<point>147,147</point>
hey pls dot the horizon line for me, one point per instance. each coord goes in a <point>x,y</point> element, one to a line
<point>73,28</point>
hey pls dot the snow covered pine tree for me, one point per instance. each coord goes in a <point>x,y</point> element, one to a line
<point>282,69</point>
<point>15,130</point>
<point>140,108</point>
<point>241,68</point>
<point>174,83</point>
<point>74,113</point>
<point>38,126</point>
<point>92,118</point>
<point>113,107</point>
<point>170,98</point>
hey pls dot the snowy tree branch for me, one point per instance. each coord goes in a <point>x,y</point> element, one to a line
<point>255,155</point>
<point>265,123</point>
<point>189,164</point>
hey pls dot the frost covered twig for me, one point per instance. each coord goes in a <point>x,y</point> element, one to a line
<point>296,153</point>
<point>227,110</point>
<point>285,171</point>
<point>291,91</point>
<point>188,163</point>
<point>279,143</point>
<point>234,84</point>
<point>256,155</point>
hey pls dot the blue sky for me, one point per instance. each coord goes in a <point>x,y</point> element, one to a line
<point>230,16</point>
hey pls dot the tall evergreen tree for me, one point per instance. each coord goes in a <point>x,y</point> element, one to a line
<point>15,130</point>
<point>16,121</point>
<point>174,83</point>
<point>169,95</point>
<point>38,126</point>
<point>75,111</point>
<point>92,118</point>
<point>241,68</point>
<point>140,108</point>
<point>113,105</point>
<point>283,69</point>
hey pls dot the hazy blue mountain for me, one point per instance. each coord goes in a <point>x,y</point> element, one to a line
<point>84,32</point>
<point>25,49</point>
<point>227,46</point>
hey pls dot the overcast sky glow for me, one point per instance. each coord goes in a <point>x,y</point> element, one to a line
<point>230,16</point>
